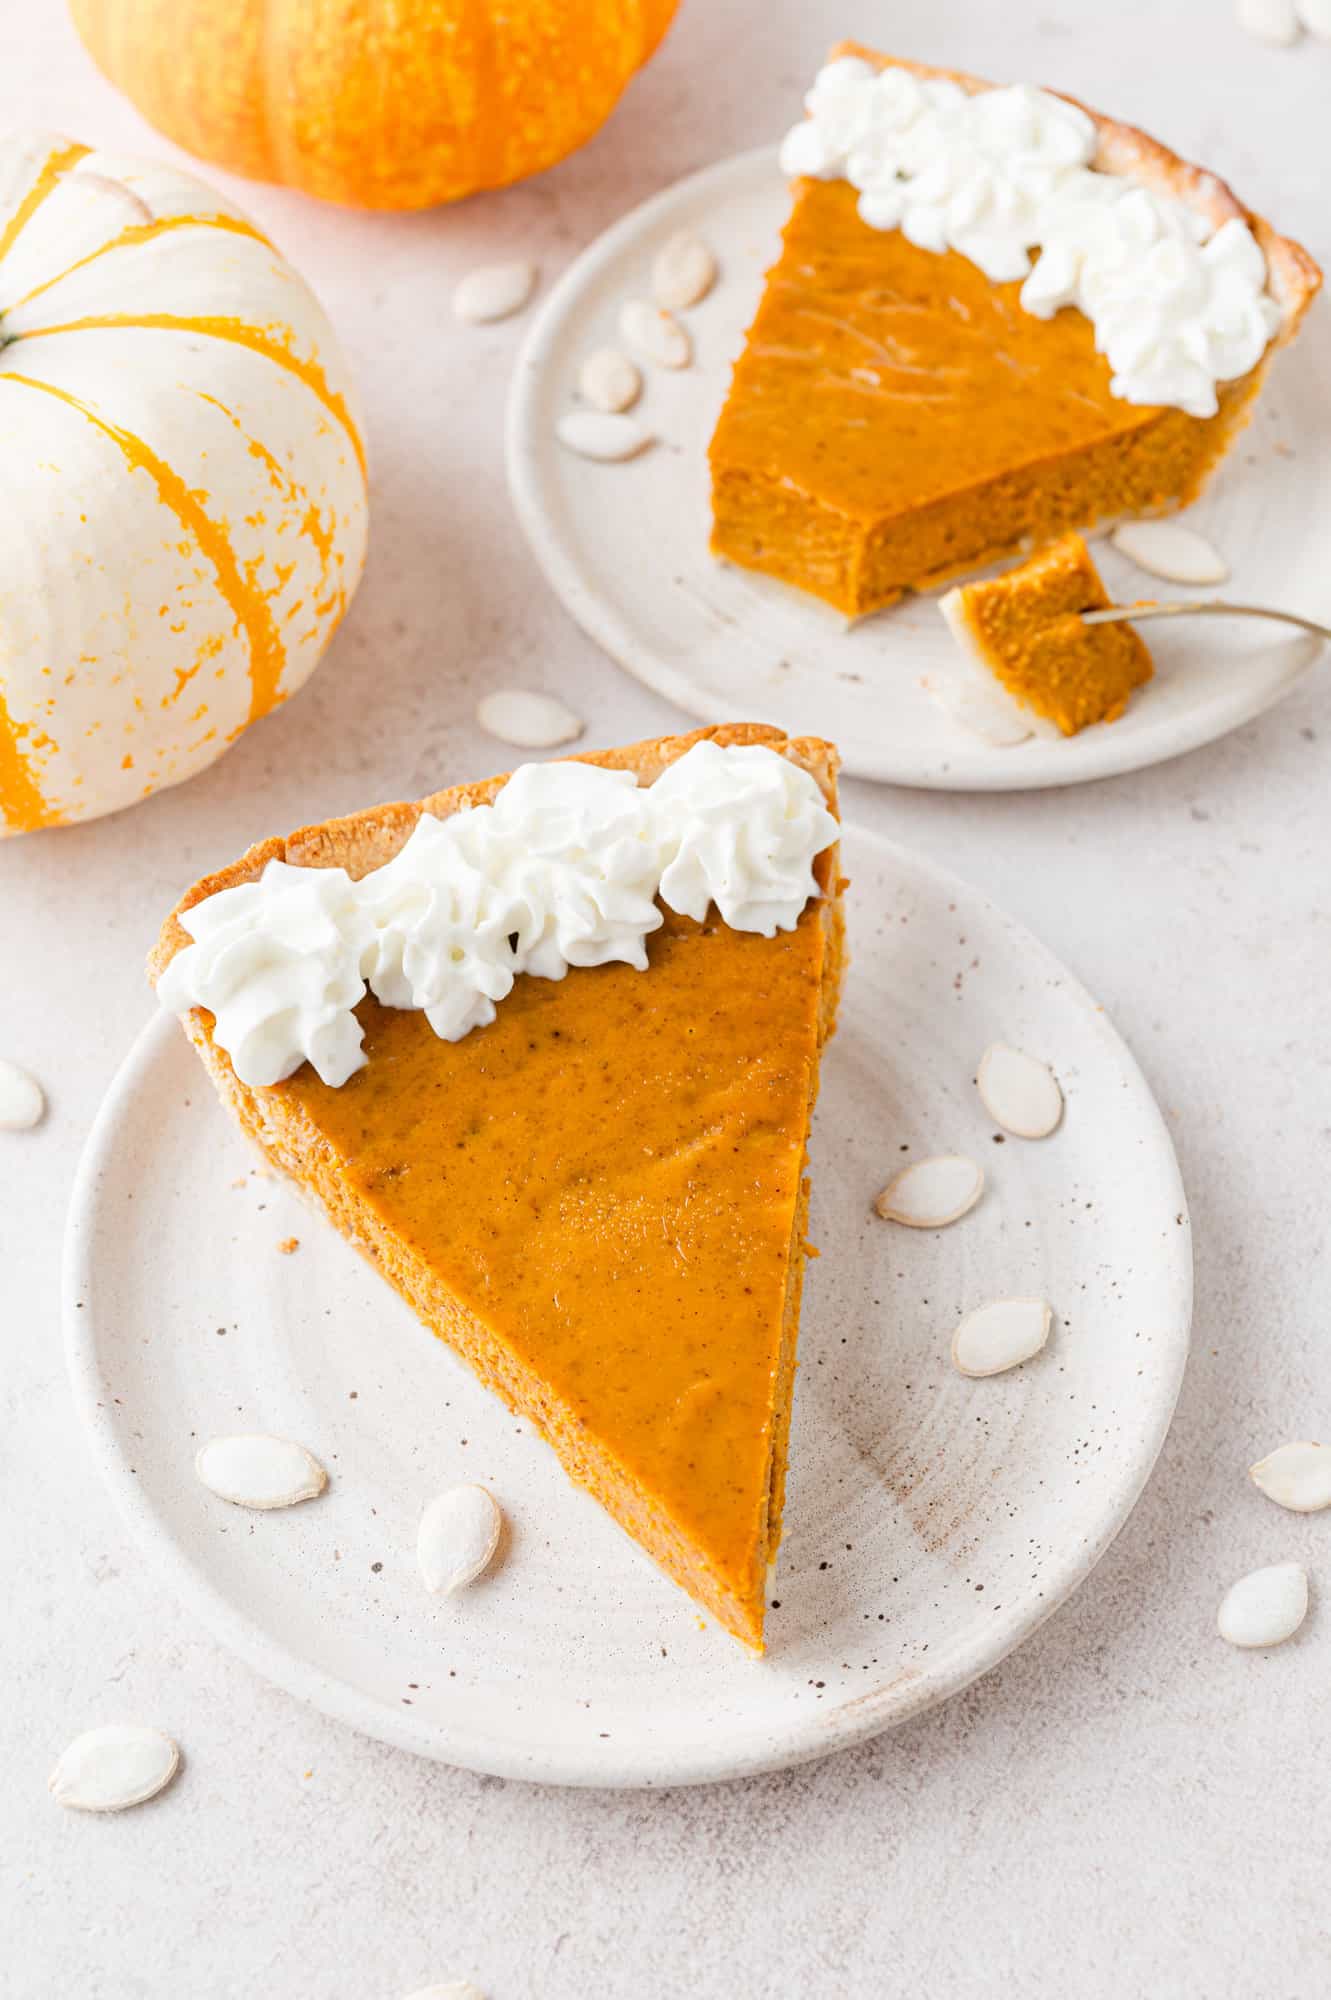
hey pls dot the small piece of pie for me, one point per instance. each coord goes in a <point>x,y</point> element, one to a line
<point>546,1050</point>
<point>1053,674</point>
<point>996,316</point>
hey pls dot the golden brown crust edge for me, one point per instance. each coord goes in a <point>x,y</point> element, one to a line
<point>1294,276</point>
<point>365,840</point>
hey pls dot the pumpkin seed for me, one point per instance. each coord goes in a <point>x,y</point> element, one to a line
<point>262,1472</point>
<point>1001,1335</point>
<point>608,380</point>
<point>1266,1607</point>
<point>114,1767</point>
<point>529,721</point>
<point>457,1538</point>
<point>600,435</point>
<point>21,1099</point>
<point>683,273</point>
<point>655,334</point>
<point>932,1193</point>
<point>1019,1093</point>
<point>1171,550</point>
<point>495,291</point>
<point>1297,1476</point>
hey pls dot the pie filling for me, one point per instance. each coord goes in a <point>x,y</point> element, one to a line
<point>1024,629</point>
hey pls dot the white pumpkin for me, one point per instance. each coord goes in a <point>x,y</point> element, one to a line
<point>184,473</point>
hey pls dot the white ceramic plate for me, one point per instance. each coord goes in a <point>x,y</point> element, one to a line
<point>625,546</point>
<point>933,1522</point>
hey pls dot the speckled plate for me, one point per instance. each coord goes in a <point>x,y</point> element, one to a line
<point>625,546</point>
<point>933,1522</point>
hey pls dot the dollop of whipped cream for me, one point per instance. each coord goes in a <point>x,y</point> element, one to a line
<point>740,828</point>
<point>278,962</point>
<point>563,869</point>
<point>997,174</point>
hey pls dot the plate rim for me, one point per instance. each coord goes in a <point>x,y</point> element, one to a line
<point>1115,756</point>
<point>868,1715</point>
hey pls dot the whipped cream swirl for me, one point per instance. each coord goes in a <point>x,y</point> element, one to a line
<point>997,174</point>
<point>563,869</point>
<point>278,961</point>
<point>741,827</point>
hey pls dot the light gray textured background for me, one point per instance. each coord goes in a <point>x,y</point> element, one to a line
<point>1126,1806</point>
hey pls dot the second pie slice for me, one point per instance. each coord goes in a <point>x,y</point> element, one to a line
<point>591,1183</point>
<point>996,316</point>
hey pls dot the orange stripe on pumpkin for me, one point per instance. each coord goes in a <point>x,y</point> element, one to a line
<point>238,330</point>
<point>23,804</point>
<point>311,522</point>
<point>144,232</point>
<point>267,653</point>
<point>53,171</point>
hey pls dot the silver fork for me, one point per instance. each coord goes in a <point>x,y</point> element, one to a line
<point>1199,607</point>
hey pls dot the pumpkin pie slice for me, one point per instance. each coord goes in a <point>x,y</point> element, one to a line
<point>996,316</point>
<point>598,1198</point>
<point>1024,631</point>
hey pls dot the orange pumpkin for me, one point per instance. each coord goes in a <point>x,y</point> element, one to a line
<point>390,104</point>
